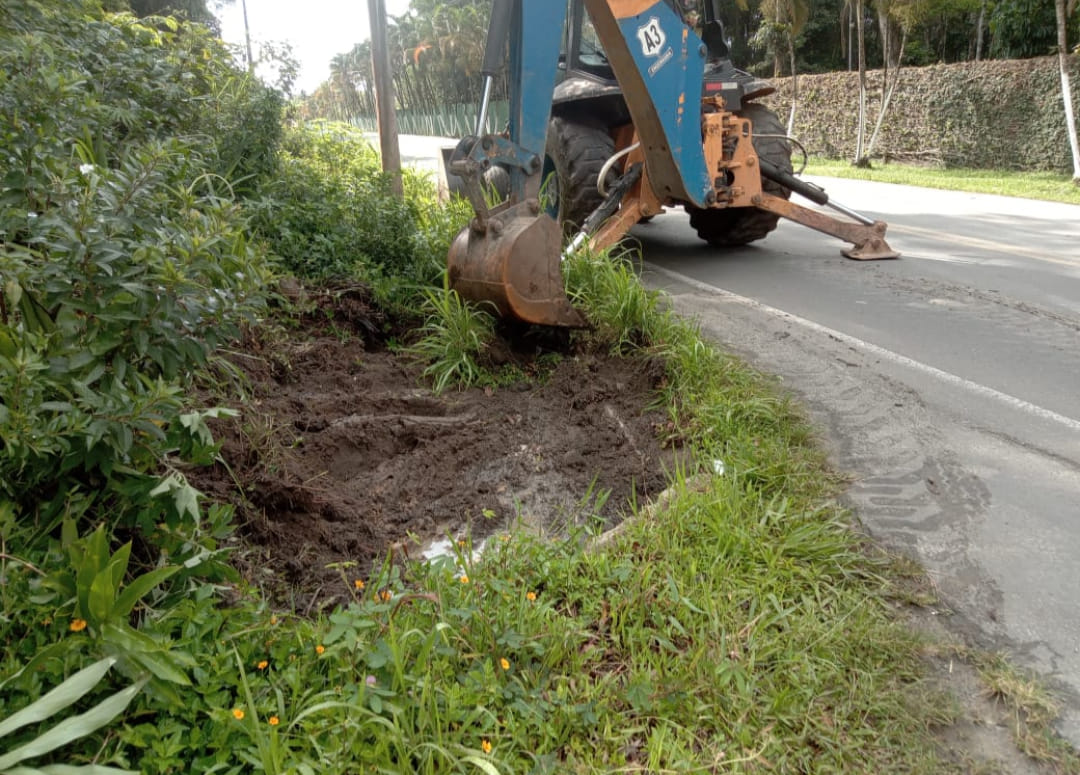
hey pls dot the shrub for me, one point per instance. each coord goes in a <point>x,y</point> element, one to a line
<point>125,260</point>
<point>330,214</point>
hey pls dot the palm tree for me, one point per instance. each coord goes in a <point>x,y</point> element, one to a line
<point>895,19</point>
<point>344,72</point>
<point>783,21</point>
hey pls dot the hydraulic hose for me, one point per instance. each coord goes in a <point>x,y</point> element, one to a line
<point>600,187</point>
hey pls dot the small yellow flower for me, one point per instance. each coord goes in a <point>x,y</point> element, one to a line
<point>78,625</point>
<point>461,543</point>
<point>359,584</point>
<point>273,620</point>
<point>385,595</point>
<point>504,663</point>
<point>238,714</point>
<point>530,596</point>
<point>263,665</point>
<point>486,745</point>
<point>320,649</point>
<point>464,579</point>
<point>273,721</point>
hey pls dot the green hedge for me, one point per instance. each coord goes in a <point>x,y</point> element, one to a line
<point>1003,113</point>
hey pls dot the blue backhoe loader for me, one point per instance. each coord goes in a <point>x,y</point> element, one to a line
<point>618,109</point>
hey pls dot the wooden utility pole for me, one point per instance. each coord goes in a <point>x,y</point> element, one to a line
<point>384,97</point>
<point>247,38</point>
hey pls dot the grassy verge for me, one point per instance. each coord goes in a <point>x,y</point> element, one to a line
<point>738,629</point>
<point>1032,185</point>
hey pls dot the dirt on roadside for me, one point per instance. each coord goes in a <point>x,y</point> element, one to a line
<point>341,450</point>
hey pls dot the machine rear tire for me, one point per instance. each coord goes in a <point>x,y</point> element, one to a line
<point>576,153</point>
<point>742,225</point>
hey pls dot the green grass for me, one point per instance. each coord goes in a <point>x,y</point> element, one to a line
<point>453,339</point>
<point>1033,709</point>
<point>1031,185</point>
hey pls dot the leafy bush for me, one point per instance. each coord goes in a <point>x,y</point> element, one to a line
<point>68,73</point>
<point>113,293</point>
<point>125,260</point>
<point>330,214</point>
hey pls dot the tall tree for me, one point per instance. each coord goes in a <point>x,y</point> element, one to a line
<point>1024,28</point>
<point>980,25</point>
<point>784,20</point>
<point>895,19</point>
<point>1063,10</point>
<point>860,41</point>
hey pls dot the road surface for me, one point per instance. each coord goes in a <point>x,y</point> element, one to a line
<point>948,383</point>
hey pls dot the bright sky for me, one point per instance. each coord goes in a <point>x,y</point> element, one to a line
<point>317,29</point>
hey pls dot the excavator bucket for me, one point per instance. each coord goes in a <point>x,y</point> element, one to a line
<point>512,260</point>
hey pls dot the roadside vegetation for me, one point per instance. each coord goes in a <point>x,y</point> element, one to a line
<point>150,204</point>
<point>1048,186</point>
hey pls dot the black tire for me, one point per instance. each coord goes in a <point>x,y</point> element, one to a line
<point>576,153</point>
<point>735,226</point>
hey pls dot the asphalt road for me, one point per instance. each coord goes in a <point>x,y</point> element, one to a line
<point>948,385</point>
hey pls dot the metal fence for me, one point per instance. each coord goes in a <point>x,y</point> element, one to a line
<point>450,121</point>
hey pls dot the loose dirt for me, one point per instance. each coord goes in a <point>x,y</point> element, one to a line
<point>341,451</point>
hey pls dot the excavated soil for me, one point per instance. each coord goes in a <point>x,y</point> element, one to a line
<point>341,451</point>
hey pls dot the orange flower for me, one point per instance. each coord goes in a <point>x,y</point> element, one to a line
<point>530,596</point>
<point>273,721</point>
<point>504,663</point>
<point>385,595</point>
<point>78,625</point>
<point>238,714</point>
<point>486,745</point>
<point>320,649</point>
<point>359,584</point>
<point>464,579</point>
<point>263,665</point>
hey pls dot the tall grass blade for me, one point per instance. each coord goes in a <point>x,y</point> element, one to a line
<point>482,764</point>
<point>70,769</point>
<point>70,691</point>
<point>75,727</point>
